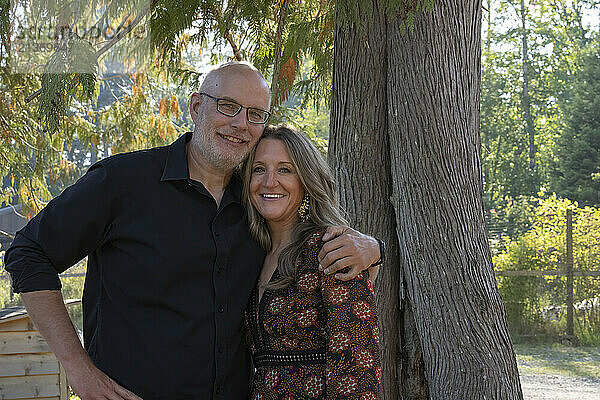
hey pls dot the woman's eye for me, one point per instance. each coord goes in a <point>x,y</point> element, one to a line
<point>285,170</point>
<point>257,170</point>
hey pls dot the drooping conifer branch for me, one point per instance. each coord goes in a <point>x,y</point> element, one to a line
<point>225,23</point>
<point>120,35</point>
<point>275,89</point>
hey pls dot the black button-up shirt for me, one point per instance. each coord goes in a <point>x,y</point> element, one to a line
<point>169,274</point>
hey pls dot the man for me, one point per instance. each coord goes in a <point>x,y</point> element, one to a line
<point>170,259</point>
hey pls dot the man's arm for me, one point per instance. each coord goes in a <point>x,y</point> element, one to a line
<point>69,227</point>
<point>47,310</point>
<point>346,247</point>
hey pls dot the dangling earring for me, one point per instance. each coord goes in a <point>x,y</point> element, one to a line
<point>304,208</point>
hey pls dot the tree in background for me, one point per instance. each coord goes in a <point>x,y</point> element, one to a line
<point>542,247</point>
<point>557,37</point>
<point>157,43</point>
<point>578,148</point>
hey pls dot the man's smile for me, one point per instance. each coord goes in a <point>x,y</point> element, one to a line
<point>232,139</point>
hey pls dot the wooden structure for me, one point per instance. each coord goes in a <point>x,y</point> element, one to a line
<point>28,369</point>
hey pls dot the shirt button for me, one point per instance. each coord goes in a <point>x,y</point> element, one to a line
<point>221,309</point>
<point>217,234</point>
<point>220,350</point>
<point>218,390</point>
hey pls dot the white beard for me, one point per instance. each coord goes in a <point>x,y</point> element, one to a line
<point>210,151</point>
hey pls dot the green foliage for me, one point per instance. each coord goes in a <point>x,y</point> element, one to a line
<point>579,146</point>
<point>557,38</point>
<point>70,73</point>
<point>543,247</point>
<point>509,219</point>
<point>314,122</point>
<point>4,27</point>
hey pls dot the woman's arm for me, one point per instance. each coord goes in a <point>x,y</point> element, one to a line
<point>353,361</point>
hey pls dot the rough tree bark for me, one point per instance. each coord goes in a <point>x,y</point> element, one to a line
<point>358,147</point>
<point>404,146</point>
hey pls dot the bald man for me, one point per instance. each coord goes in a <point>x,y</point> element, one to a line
<point>170,259</point>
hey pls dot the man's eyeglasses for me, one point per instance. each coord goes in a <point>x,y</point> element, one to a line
<point>231,109</point>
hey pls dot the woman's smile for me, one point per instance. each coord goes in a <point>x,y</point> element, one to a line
<point>275,188</point>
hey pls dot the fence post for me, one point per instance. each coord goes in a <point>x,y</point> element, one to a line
<point>569,272</point>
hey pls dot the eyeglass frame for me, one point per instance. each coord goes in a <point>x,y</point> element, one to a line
<point>218,99</point>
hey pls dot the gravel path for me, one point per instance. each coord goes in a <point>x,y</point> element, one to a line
<point>559,387</point>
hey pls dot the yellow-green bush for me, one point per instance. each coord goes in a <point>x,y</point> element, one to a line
<point>543,247</point>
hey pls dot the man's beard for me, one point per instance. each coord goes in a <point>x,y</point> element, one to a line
<point>205,137</point>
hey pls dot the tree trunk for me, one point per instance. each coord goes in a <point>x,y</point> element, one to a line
<point>405,149</point>
<point>526,102</point>
<point>360,158</point>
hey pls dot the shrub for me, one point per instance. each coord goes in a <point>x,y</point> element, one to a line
<point>543,247</point>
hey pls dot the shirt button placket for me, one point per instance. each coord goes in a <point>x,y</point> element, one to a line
<point>221,309</point>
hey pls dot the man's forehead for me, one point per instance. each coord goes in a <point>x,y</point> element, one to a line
<point>219,77</point>
<point>241,85</point>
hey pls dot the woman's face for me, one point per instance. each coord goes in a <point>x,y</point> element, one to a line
<point>275,188</point>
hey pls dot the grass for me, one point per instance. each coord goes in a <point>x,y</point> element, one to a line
<point>557,359</point>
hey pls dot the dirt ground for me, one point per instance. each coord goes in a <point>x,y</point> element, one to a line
<point>555,372</point>
<point>559,387</point>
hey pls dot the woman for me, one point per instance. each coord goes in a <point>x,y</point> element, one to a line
<point>311,335</point>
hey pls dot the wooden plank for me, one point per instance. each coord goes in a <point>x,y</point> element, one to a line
<point>28,364</point>
<point>21,324</point>
<point>22,342</point>
<point>29,387</point>
<point>569,273</point>
<point>13,316</point>
<point>547,272</point>
<point>64,386</point>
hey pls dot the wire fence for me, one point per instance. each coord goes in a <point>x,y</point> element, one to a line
<point>548,275</point>
<point>548,272</point>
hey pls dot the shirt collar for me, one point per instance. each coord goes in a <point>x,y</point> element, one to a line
<point>176,168</point>
<point>233,191</point>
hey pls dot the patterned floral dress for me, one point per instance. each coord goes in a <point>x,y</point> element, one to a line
<point>317,339</point>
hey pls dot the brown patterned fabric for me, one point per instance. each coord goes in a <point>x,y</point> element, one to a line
<point>317,339</point>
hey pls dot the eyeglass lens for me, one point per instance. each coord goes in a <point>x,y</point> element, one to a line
<point>231,109</point>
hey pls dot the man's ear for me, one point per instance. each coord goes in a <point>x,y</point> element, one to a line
<point>195,103</point>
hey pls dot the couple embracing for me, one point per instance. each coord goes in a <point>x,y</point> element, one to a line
<point>205,280</point>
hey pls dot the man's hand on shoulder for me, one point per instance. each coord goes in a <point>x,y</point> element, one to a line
<point>346,247</point>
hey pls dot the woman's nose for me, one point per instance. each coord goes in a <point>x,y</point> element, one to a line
<point>270,179</point>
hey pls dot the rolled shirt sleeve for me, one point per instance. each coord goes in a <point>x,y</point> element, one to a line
<point>71,226</point>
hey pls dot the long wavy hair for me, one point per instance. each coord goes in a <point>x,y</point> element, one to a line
<point>317,181</point>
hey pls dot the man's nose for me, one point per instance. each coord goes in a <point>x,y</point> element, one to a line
<point>240,121</point>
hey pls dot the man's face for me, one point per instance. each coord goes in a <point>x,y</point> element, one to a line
<point>225,141</point>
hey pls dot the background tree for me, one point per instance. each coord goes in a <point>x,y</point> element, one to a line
<point>578,148</point>
<point>557,36</point>
<point>158,43</point>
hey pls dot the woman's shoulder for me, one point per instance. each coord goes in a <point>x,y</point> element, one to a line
<point>314,241</point>
<point>315,238</point>
<point>309,252</point>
